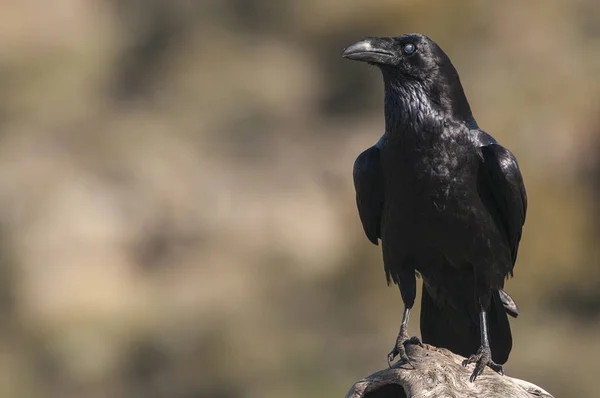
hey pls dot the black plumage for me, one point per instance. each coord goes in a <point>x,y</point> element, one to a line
<point>445,199</point>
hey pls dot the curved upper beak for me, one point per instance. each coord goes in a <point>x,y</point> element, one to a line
<point>374,50</point>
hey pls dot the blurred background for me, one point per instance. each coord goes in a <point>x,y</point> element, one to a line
<point>177,214</point>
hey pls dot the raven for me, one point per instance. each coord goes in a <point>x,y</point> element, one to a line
<point>446,200</point>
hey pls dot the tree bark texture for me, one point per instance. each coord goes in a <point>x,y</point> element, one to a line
<point>439,373</point>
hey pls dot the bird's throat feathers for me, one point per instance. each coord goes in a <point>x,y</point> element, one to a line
<point>407,105</point>
<point>414,105</point>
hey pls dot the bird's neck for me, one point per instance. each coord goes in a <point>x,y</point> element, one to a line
<point>411,107</point>
<point>407,107</point>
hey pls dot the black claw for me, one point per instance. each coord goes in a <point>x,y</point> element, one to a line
<point>399,349</point>
<point>391,357</point>
<point>413,340</point>
<point>496,368</point>
<point>478,371</point>
<point>471,359</point>
<point>481,359</point>
<point>403,358</point>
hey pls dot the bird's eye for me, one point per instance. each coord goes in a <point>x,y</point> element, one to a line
<point>409,48</point>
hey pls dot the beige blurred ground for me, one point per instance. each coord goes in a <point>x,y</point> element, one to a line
<point>177,214</point>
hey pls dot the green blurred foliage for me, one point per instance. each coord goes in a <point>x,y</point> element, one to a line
<point>176,204</point>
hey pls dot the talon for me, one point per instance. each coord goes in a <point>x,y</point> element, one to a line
<point>482,358</point>
<point>496,368</point>
<point>471,359</point>
<point>399,349</point>
<point>414,340</point>
<point>390,358</point>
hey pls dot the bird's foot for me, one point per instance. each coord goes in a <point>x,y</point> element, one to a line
<point>400,350</point>
<point>481,359</point>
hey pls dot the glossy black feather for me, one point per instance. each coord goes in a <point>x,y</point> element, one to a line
<point>510,306</point>
<point>456,330</point>
<point>444,197</point>
<point>368,183</point>
<point>508,196</point>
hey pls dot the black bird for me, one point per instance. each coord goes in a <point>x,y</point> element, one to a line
<point>446,200</point>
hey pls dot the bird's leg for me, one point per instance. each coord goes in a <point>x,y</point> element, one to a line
<point>408,290</point>
<point>483,357</point>
<point>402,340</point>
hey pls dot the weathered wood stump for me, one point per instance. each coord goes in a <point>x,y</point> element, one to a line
<point>439,373</point>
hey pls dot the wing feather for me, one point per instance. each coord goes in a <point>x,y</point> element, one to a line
<point>505,193</point>
<point>368,183</point>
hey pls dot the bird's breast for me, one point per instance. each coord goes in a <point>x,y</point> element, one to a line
<point>430,175</point>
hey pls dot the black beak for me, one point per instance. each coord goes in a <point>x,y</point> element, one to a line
<point>374,50</point>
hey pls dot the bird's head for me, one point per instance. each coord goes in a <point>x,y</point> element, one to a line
<point>412,56</point>
<point>415,62</point>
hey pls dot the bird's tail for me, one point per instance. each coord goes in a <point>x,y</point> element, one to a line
<point>510,306</point>
<point>459,331</point>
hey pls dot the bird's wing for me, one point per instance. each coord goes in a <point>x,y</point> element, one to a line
<point>368,183</point>
<point>504,193</point>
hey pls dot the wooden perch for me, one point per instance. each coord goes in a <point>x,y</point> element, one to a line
<point>439,373</point>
